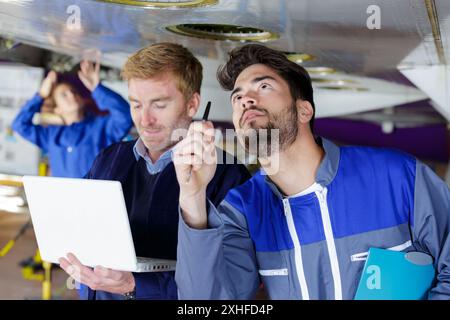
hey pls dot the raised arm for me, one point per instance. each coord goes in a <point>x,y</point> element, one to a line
<point>23,124</point>
<point>119,118</point>
<point>215,256</point>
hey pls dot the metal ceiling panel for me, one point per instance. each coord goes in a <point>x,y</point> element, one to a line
<point>336,33</point>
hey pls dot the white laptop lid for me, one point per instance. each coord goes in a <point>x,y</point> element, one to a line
<point>84,217</point>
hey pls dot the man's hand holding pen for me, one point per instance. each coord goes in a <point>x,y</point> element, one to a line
<point>195,161</point>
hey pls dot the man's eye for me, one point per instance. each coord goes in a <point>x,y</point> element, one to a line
<point>264,86</point>
<point>160,106</point>
<point>136,106</point>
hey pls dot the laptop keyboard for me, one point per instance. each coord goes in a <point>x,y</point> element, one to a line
<point>153,265</point>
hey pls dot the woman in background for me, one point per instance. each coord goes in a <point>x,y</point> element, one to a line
<point>73,146</point>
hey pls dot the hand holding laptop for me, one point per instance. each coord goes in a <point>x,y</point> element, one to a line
<point>99,278</point>
<point>88,218</point>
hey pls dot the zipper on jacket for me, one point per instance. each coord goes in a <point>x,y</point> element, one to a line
<point>322,196</point>
<point>274,272</point>
<point>297,249</point>
<point>362,256</point>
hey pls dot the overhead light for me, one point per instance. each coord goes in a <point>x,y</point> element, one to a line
<point>223,32</point>
<point>299,57</point>
<point>60,62</point>
<point>320,71</point>
<point>164,4</point>
<point>334,82</point>
<point>323,78</point>
<point>343,88</point>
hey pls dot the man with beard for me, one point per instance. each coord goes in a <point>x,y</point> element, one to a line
<point>164,83</point>
<point>300,229</point>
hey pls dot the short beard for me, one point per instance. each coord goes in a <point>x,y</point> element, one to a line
<point>279,133</point>
<point>168,142</point>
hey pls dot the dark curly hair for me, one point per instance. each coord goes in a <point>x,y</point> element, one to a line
<point>295,75</point>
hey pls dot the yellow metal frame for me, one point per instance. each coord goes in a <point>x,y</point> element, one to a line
<point>47,281</point>
<point>28,272</point>
<point>11,183</point>
<point>7,248</point>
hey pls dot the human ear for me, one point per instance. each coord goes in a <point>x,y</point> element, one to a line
<point>193,104</point>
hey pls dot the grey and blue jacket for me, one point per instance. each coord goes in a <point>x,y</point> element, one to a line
<point>313,246</point>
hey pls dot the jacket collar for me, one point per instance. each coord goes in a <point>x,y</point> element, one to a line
<point>327,168</point>
<point>330,163</point>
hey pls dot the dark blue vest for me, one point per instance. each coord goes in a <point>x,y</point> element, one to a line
<point>152,205</point>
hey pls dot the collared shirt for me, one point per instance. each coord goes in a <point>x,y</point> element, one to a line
<point>140,150</point>
<point>153,208</point>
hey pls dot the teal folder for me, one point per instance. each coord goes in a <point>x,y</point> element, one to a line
<point>394,275</point>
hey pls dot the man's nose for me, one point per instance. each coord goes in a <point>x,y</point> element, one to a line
<point>248,101</point>
<point>147,119</point>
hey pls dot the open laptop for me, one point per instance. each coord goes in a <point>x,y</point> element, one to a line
<point>87,218</point>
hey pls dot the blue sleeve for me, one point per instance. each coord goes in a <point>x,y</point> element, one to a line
<point>431,225</point>
<point>155,285</point>
<point>219,262</point>
<point>24,126</point>
<point>119,119</point>
<point>231,175</point>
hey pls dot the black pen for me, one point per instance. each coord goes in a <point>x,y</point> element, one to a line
<point>206,113</point>
<point>204,118</point>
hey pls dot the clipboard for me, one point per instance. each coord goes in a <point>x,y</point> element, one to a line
<point>396,275</point>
